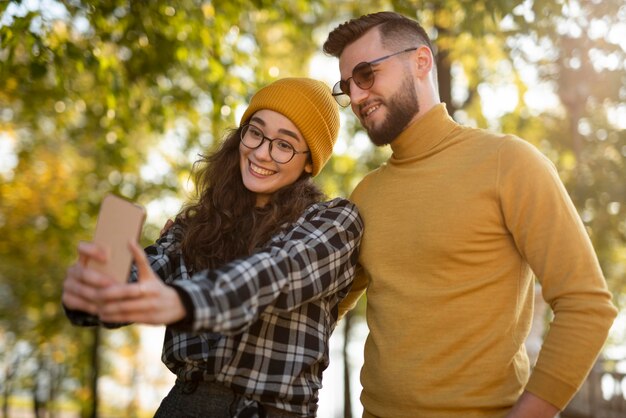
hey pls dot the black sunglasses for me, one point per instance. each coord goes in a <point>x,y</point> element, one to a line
<point>363,76</point>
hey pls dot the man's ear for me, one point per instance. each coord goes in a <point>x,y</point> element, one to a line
<point>424,60</point>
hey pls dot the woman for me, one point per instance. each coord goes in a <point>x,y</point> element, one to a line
<point>250,274</point>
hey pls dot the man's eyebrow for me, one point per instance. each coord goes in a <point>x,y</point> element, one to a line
<point>287,132</point>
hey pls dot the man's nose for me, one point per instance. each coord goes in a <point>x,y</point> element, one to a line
<point>357,94</point>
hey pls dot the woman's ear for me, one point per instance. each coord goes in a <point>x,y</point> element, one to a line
<point>308,168</point>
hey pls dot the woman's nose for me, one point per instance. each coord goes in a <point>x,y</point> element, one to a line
<point>263,151</point>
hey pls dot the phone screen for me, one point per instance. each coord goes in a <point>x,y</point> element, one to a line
<point>119,222</point>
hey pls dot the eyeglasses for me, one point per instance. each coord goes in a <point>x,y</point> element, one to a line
<point>280,149</point>
<point>363,76</point>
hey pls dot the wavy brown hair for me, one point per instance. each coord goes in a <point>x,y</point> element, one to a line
<point>223,223</point>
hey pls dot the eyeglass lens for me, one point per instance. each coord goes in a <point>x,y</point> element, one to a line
<point>280,150</point>
<point>363,76</point>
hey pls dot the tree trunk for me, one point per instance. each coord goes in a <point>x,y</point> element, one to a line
<point>57,375</point>
<point>347,393</point>
<point>10,372</point>
<point>37,405</point>
<point>6,393</point>
<point>95,372</point>
<point>444,76</point>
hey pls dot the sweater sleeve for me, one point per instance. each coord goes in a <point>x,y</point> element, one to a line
<point>313,259</point>
<point>551,237</point>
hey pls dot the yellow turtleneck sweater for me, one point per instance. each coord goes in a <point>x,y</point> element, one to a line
<point>456,222</point>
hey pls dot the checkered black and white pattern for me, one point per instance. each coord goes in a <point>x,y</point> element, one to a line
<point>261,325</point>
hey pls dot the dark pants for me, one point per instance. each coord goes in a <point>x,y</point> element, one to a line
<point>210,400</point>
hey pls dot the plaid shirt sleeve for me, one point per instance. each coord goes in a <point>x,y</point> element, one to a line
<point>305,262</point>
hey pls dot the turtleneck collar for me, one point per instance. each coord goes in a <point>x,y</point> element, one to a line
<point>423,135</point>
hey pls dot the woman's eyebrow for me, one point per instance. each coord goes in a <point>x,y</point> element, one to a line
<point>282,131</point>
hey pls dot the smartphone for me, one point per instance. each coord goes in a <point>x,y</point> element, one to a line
<point>119,222</point>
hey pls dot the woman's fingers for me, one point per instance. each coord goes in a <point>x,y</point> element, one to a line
<point>148,301</point>
<point>140,308</point>
<point>82,284</point>
<point>155,308</point>
<point>122,291</point>
<point>80,288</point>
<point>91,250</point>
<point>144,271</point>
<point>78,297</point>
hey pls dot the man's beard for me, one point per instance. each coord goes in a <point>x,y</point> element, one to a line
<point>401,109</point>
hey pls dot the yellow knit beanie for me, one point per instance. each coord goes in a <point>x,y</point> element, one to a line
<point>309,105</point>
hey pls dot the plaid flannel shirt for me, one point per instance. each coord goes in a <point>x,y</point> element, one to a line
<point>261,325</point>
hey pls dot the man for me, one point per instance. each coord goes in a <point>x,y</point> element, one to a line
<point>457,221</point>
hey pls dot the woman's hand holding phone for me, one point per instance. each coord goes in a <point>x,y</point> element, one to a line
<point>97,282</point>
<point>147,301</point>
<point>82,284</point>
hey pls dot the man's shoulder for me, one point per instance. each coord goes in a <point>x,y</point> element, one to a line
<point>365,182</point>
<point>483,135</point>
<point>504,144</point>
